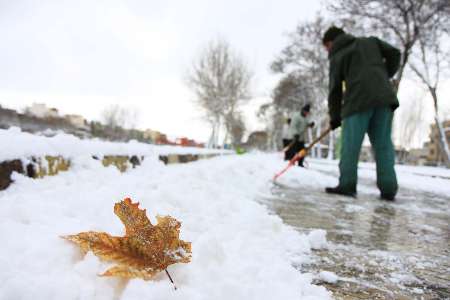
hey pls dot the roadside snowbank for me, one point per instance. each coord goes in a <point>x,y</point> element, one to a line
<point>240,251</point>
<point>18,144</point>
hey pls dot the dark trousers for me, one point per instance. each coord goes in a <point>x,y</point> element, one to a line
<point>286,142</point>
<point>294,149</point>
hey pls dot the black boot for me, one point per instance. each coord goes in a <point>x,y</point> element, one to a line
<point>387,197</point>
<point>340,191</point>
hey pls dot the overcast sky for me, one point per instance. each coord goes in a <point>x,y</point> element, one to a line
<point>79,56</point>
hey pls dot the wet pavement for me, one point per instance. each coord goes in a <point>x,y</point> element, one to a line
<point>379,249</point>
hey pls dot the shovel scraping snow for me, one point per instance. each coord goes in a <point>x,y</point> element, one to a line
<point>302,153</point>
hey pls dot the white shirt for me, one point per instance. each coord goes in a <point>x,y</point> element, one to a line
<point>285,132</point>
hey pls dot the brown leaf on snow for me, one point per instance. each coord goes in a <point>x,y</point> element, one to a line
<point>145,249</point>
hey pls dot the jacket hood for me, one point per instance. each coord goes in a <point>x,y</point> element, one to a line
<point>341,42</point>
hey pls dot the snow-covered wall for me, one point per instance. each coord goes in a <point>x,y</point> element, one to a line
<point>17,144</point>
<point>37,156</point>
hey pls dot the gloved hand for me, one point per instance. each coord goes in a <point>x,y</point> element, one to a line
<point>335,124</point>
<point>296,137</point>
<point>311,124</point>
<point>395,83</point>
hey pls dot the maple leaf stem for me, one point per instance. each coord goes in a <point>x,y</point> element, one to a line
<point>168,275</point>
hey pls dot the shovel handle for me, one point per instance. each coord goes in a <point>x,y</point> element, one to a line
<point>318,139</point>
<point>302,153</point>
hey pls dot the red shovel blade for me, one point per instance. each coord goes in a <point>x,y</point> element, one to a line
<point>299,155</point>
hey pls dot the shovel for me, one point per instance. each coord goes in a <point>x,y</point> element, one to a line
<point>302,153</point>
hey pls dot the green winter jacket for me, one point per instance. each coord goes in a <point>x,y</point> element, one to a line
<point>360,69</point>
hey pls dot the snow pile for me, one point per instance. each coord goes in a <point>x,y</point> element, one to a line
<point>240,251</point>
<point>18,144</point>
<point>318,239</point>
<point>329,277</point>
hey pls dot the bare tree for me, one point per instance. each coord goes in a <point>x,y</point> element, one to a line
<point>113,116</point>
<point>304,64</point>
<point>236,127</point>
<point>402,21</point>
<point>220,80</point>
<point>305,59</point>
<point>292,92</point>
<point>289,95</point>
<point>132,117</point>
<point>116,116</point>
<point>274,119</point>
<point>429,62</point>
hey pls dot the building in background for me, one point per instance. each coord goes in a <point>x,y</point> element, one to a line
<point>186,142</point>
<point>257,140</point>
<point>418,156</point>
<point>41,110</point>
<point>38,118</point>
<point>435,153</point>
<point>77,121</point>
<point>152,135</point>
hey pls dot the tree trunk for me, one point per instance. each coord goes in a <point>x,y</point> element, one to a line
<point>401,69</point>
<point>442,136</point>
<point>398,79</point>
<point>225,138</point>
<point>216,139</point>
<point>443,141</point>
<point>211,138</point>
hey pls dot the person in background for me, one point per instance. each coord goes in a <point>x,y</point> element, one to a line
<point>299,124</point>
<point>286,138</point>
<point>362,97</point>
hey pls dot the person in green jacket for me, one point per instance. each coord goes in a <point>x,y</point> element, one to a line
<point>362,98</point>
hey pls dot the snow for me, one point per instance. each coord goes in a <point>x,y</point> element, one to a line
<point>240,251</point>
<point>18,144</point>
<point>318,239</point>
<point>403,278</point>
<point>351,208</point>
<point>417,291</point>
<point>329,277</point>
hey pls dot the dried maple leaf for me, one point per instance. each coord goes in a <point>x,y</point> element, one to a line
<point>145,249</point>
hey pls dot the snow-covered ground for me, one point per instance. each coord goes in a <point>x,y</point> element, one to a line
<point>17,144</point>
<point>240,251</point>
